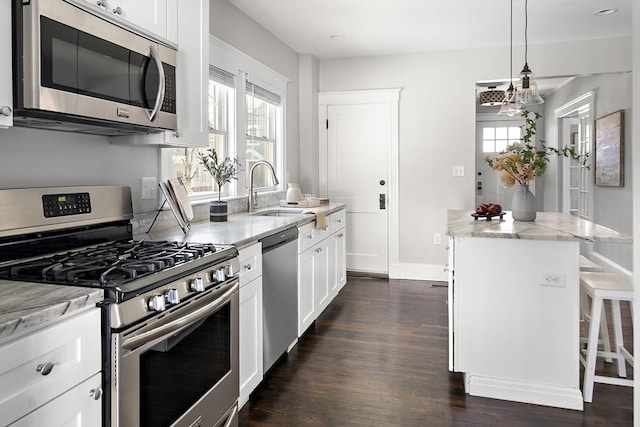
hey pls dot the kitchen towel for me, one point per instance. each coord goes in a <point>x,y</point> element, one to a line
<point>321,220</point>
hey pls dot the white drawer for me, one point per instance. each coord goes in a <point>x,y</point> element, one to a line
<point>71,348</point>
<point>307,236</point>
<point>250,263</point>
<point>79,407</point>
<point>337,221</point>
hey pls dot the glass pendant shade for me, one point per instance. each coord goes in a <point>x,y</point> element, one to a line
<point>511,103</point>
<point>528,89</point>
<point>529,95</point>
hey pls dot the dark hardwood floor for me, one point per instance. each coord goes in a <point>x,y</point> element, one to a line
<point>377,356</point>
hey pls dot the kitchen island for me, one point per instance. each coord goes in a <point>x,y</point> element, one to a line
<point>514,305</point>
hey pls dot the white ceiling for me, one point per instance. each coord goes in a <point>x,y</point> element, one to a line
<point>387,27</point>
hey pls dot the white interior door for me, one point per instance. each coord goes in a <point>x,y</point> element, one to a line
<point>358,139</point>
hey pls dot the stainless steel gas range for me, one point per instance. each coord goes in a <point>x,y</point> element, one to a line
<point>170,310</point>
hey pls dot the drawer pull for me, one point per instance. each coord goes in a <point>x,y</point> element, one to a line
<point>339,221</point>
<point>318,250</point>
<point>45,368</point>
<point>309,236</point>
<point>95,393</point>
<point>340,236</point>
<point>247,267</point>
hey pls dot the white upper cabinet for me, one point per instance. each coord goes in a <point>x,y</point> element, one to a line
<point>192,74</point>
<point>6,94</point>
<point>158,17</point>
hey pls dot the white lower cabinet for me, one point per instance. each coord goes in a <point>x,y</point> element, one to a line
<point>321,268</point>
<point>53,368</point>
<point>251,362</point>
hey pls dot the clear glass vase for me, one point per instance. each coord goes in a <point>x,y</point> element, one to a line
<point>523,204</point>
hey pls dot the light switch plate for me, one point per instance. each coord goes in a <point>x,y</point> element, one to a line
<point>458,170</point>
<point>149,188</point>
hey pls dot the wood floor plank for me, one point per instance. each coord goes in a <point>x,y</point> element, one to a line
<point>377,356</point>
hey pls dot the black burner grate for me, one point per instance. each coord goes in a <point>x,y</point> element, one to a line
<point>108,265</point>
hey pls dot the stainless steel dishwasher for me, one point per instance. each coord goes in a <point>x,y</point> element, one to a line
<point>279,294</point>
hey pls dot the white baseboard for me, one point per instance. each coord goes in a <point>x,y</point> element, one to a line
<point>539,394</point>
<point>418,272</point>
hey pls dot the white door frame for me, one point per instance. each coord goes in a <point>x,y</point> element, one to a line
<point>374,96</point>
<point>579,105</point>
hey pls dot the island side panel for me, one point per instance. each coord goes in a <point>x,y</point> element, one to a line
<point>517,337</point>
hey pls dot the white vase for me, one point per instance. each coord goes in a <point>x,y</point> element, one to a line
<point>523,204</point>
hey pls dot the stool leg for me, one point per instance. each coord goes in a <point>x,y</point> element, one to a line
<point>604,333</point>
<point>592,350</point>
<point>618,339</point>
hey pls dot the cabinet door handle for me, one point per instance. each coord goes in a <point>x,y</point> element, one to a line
<point>247,267</point>
<point>309,236</point>
<point>117,11</point>
<point>45,368</point>
<point>340,236</point>
<point>339,221</point>
<point>95,393</point>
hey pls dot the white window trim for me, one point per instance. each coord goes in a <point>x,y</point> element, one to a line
<point>232,60</point>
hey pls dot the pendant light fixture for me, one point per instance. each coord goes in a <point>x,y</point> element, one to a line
<point>511,102</point>
<point>491,97</point>
<point>528,90</point>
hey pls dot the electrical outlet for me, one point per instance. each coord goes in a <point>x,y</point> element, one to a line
<point>458,170</point>
<point>149,188</point>
<point>553,279</point>
<point>437,239</point>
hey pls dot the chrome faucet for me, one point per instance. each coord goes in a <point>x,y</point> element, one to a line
<point>253,198</point>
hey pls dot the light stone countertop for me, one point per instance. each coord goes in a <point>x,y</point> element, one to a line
<point>547,226</point>
<point>25,307</point>
<point>240,229</point>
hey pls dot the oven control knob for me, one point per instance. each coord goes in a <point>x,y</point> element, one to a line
<point>172,296</point>
<point>228,270</point>
<point>220,275</point>
<point>156,303</point>
<point>197,284</point>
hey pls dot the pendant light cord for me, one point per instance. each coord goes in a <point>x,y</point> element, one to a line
<point>526,21</point>
<point>511,46</point>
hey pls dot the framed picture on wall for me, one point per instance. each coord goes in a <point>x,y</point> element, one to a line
<point>609,150</point>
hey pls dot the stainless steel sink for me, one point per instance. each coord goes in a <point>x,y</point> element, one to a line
<point>280,212</point>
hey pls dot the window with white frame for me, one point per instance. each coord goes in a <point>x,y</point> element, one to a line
<point>496,139</point>
<point>185,163</point>
<point>246,120</point>
<point>263,134</point>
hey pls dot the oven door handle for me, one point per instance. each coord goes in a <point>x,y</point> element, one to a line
<point>180,323</point>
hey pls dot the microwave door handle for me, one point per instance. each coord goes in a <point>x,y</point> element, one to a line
<point>160,96</point>
<point>180,323</point>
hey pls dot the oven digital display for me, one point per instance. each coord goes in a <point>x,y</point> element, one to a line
<point>54,205</point>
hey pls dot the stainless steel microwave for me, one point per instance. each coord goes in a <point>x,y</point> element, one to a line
<point>76,71</point>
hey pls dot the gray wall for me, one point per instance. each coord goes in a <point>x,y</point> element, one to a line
<point>238,30</point>
<point>38,158</point>
<point>437,121</point>
<point>612,205</point>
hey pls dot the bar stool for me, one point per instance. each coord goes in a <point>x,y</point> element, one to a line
<point>587,265</point>
<point>600,287</point>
